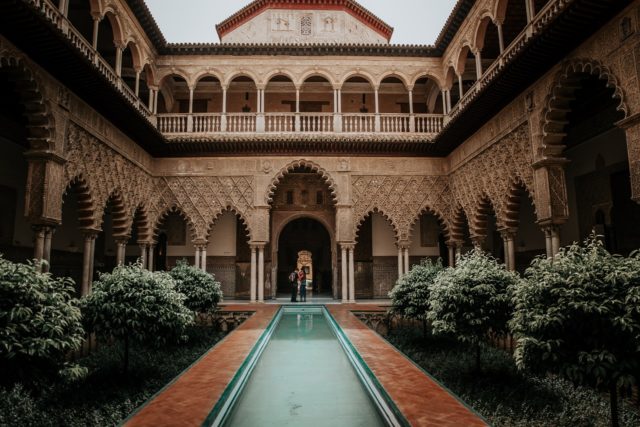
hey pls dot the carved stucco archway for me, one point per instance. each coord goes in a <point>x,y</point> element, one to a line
<point>302,163</point>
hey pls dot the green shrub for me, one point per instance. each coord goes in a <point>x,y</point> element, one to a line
<point>410,296</point>
<point>576,315</point>
<point>39,323</point>
<point>133,304</point>
<point>472,300</point>
<point>200,288</point>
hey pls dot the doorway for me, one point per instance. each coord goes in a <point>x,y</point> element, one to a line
<point>305,241</point>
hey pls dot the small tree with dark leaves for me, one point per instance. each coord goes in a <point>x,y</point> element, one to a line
<point>410,296</point>
<point>40,323</point>
<point>135,305</point>
<point>577,315</point>
<point>200,288</point>
<point>472,300</point>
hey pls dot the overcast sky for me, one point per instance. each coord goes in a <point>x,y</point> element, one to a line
<point>414,21</point>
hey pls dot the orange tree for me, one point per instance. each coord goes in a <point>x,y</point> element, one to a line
<point>577,315</point>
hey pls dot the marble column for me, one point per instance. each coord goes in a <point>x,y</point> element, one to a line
<point>254,273</point>
<point>406,259</point>
<point>500,37</point>
<point>400,265</point>
<point>38,245</point>
<point>119,50</point>
<point>203,258</point>
<point>460,88</point>
<point>96,26</point>
<point>478,57</point>
<point>352,277</point>
<point>508,237</point>
<point>87,261</point>
<point>150,265</point>
<point>121,247</point>
<point>46,255</point>
<point>345,283</point>
<point>143,254</point>
<point>261,273</point>
<point>451,247</point>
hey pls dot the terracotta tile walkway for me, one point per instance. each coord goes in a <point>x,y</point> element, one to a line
<point>420,399</point>
<point>188,401</point>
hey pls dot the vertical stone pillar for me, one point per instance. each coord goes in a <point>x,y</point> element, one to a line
<point>400,265</point>
<point>254,273</point>
<point>151,91</point>
<point>352,275</point>
<point>151,254</point>
<point>448,100</point>
<point>406,259</point>
<point>345,283</point>
<point>119,50</point>
<point>412,123</point>
<point>48,236</point>
<point>138,83</point>
<point>261,273</point>
<point>38,245</point>
<point>451,248</point>
<point>478,56</point>
<point>223,118</point>
<point>203,258</point>
<point>87,261</point>
<point>121,247</point>
<point>552,239</point>
<point>460,88</point>
<point>190,116</point>
<point>96,27</point>
<point>530,10</point>
<point>444,101</point>
<point>260,121</point>
<point>631,127</point>
<point>508,236</point>
<point>376,93</point>
<point>143,254</point>
<point>500,36</point>
<point>296,124</point>
<point>337,126</point>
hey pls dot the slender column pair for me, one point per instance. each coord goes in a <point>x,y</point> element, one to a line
<point>87,261</point>
<point>348,273</point>
<point>403,258</point>
<point>257,272</point>
<point>453,248</point>
<point>552,239</point>
<point>42,246</point>
<point>508,238</point>
<point>201,256</point>
<point>121,247</point>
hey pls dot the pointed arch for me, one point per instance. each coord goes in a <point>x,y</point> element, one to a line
<point>441,220</point>
<point>479,221</point>
<point>119,217</point>
<point>459,224</point>
<point>40,120</point>
<point>140,219</point>
<point>85,201</point>
<point>163,215</point>
<point>517,188</point>
<point>237,212</point>
<point>376,210</point>
<point>563,92</point>
<point>302,163</point>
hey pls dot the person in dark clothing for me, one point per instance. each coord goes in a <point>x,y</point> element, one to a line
<point>293,282</point>
<point>302,279</point>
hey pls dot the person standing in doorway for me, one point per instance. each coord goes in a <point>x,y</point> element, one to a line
<point>293,282</point>
<point>302,279</point>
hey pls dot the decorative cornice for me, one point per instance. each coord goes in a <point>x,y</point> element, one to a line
<point>350,6</point>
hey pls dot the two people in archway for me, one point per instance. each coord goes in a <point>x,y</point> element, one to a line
<point>298,282</point>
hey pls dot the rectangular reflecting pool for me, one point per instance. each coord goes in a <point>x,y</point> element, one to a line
<point>303,372</point>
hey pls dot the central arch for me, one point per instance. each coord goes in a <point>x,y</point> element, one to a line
<point>305,233</point>
<point>303,200</point>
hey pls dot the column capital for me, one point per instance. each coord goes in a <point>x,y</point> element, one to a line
<point>347,245</point>
<point>257,245</point>
<point>122,240</point>
<point>455,244</point>
<point>403,244</point>
<point>508,233</point>
<point>90,232</point>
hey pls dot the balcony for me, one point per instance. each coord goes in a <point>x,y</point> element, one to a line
<point>204,124</point>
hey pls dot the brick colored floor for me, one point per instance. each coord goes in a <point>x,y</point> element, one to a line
<point>188,401</point>
<point>421,400</point>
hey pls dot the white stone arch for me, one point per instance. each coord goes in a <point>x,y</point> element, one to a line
<point>320,72</point>
<point>460,64</point>
<point>163,73</point>
<point>274,73</point>
<point>241,73</point>
<point>406,81</point>
<point>485,19</point>
<point>431,76</point>
<point>112,14</point>
<point>234,210</point>
<point>358,73</point>
<point>209,72</point>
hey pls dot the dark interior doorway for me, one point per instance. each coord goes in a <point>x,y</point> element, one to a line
<point>305,234</point>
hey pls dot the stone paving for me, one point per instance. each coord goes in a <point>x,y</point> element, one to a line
<point>189,399</point>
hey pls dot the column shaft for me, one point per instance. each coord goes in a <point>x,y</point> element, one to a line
<point>86,265</point>
<point>96,26</point>
<point>203,259</point>
<point>261,274</point>
<point>452,255</point>
<point>46,255</point>
<point>406,260</point>
<point>512,253</point>
<point>352,278</point>
<point>460,89</point>
<point>143,254</point>
<point>500,38</point>
<point>345,284</point>
<point>254,269</point>
<point>400,264</point>
<point>92,258</point>
<point>478,65</point>
<point>151,257</point>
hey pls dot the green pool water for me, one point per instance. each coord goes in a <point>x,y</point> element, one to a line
<point>304,378</point>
